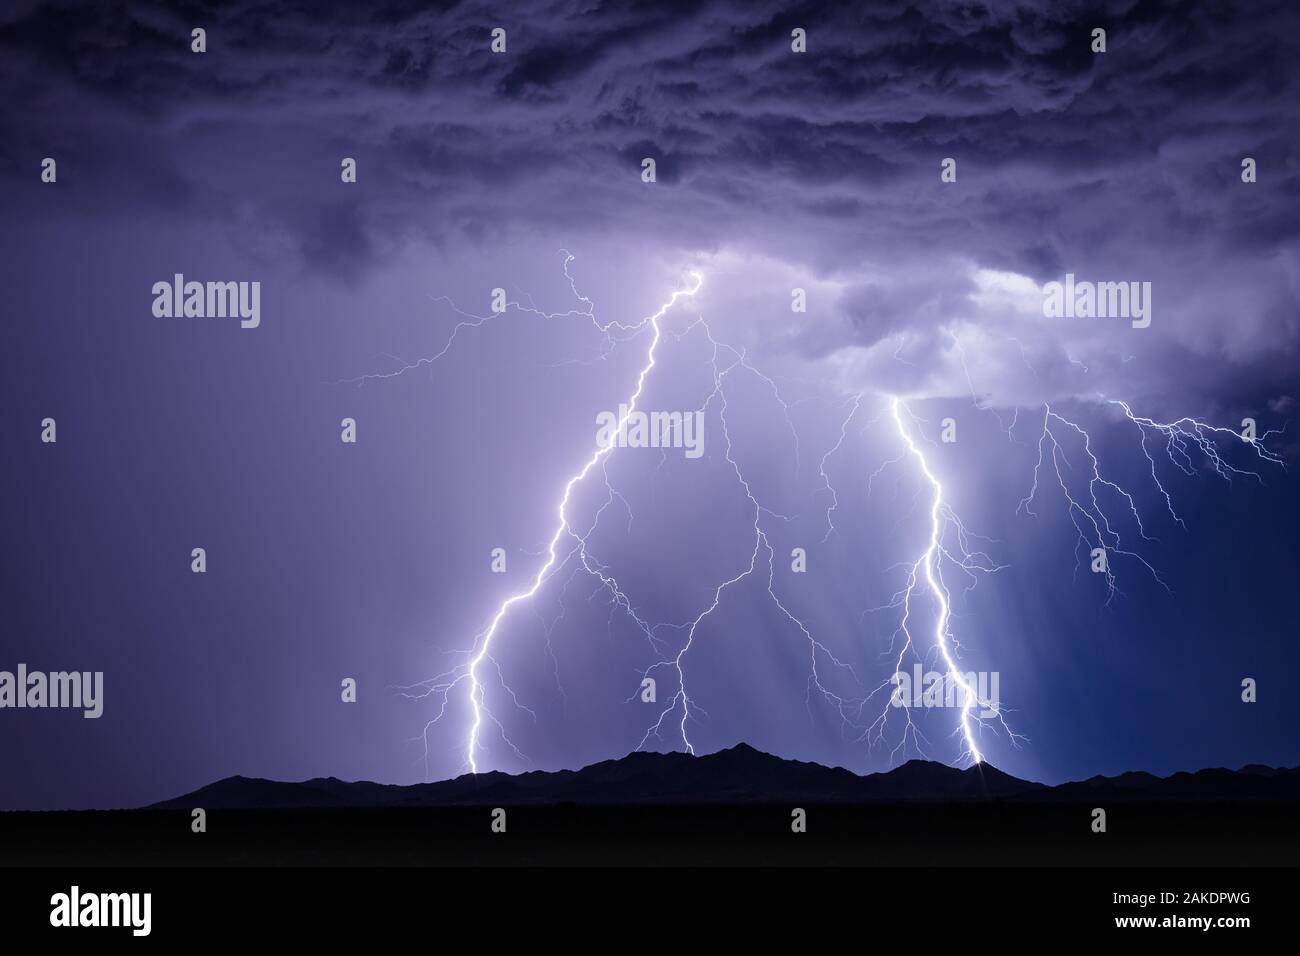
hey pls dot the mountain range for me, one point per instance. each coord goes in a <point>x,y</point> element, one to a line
<point>737,775</point>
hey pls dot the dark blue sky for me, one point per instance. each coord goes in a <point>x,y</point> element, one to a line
<point>776,170</point>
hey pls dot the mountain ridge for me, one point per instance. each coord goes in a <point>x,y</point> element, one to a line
<point>740,774</point>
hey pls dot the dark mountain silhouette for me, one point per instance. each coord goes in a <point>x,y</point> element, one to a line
<point>1252,782</point>
<point>738,775</point>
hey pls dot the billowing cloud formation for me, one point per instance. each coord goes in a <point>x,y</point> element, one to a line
<point>1115,166</point>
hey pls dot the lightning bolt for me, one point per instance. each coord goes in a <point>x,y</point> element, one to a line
<point>471,676</point>
<point>1100,508</point>
<point>570,545</point>
<point>470,671</point>
<point>1096,510</point>
<point>761,551</point>
<point>949,543</point>
<point>612,332</point>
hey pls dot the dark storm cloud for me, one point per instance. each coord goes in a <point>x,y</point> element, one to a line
<point>1068,161</point>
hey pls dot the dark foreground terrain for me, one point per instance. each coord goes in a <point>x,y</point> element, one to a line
<point>994,833</point>
<point>729,808</point>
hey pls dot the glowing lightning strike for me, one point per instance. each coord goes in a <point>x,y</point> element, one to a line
<point>762,544</point>
<point>1097,512</point>
<point>1181,439</point>
<point>611,332</point>
<point>581,558</point>
<point>929,564</point>
<point>562,527</point>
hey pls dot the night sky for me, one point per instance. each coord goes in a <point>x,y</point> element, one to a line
<point>776,170</point>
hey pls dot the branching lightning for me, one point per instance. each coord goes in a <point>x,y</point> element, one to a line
<point>1094,513</point>
<point>762,550</point>
<point>570,547</point>
<point>469,674</point>
<point>949,544</point>
<point>1104,514</point>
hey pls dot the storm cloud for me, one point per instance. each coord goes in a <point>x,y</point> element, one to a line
<point>1114,167</point>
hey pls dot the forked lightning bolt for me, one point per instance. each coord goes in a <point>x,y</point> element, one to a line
<point>948,543</point>
<point>1181,442</point>
<point>562,528</point>
<point>570,544</point>
<point>761,548</point>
